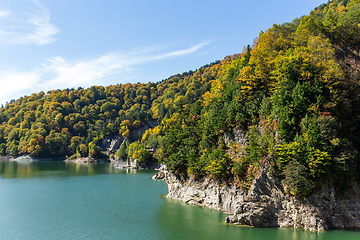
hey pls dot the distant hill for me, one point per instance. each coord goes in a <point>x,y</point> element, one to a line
<point>70,121</point>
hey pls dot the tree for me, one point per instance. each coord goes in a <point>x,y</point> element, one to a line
<point>82,150</point>
<point>136,151</point>
<point>121,153</point>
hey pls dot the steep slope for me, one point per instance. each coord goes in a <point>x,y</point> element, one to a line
<point>295,97</point>
<point>276,138</point>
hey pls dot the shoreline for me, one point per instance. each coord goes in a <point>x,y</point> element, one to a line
<point>115,163</point>
<point>87,160</point>
<point>266,204</point>
<point>28,158</point>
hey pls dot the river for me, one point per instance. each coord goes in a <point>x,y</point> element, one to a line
<point>59,200</point>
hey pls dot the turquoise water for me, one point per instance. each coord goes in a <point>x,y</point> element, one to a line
<point>57,200</point>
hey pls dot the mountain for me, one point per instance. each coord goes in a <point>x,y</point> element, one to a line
<point>290,100</point>
<point>74,121</point>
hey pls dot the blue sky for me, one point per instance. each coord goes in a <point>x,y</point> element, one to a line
<point>52,44</point>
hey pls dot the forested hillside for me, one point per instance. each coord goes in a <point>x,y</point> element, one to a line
<point>70,121</point>
<point>294,93</point>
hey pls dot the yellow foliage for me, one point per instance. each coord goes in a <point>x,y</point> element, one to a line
<point>215,93</point>
<point>246,79</point>
<point>335,142</point>
<point>341,9</point>
<point>318,162</point>
<point>126,133</point>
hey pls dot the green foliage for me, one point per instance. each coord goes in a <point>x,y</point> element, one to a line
<point>296,179</point>
<point>121,153</point>
<point>71,117</point>
<point>219,165</point>
<point>286,153</point>
<point>179,147</point>
<point>294,93</point>
<point>94,151</point>
<point>82,150</point>
<point>136,151</point>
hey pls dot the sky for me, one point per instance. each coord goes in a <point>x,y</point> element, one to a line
<point>51,44</point>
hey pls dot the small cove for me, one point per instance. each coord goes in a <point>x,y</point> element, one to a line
<point>58,200</point>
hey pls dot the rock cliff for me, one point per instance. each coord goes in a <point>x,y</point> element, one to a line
<point>110,145</point>
<point>266,204</point>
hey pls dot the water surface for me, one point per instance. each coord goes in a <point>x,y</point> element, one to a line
<point>58,200</point>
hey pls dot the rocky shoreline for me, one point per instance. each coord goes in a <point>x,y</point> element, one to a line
<point>28,158</point>
<point>133,165</point>
<point>116,164</point>
<point>86,160</point>
<point>267,205</point>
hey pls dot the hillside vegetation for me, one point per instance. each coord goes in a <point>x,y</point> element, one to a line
<point>294,93</point>
<point>73,121</point>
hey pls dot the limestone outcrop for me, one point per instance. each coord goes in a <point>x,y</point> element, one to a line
<point>163,172</point>
<point>110,145</point>
<point>88,159</point>
<point>28,158</point>
<point>266,204</point>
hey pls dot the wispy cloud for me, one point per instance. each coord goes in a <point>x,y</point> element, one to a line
<point>182,52</point>
<point>35,28</point>
<point>43,30</point>
<point>12,83</point>
<point>4,13</point>
<point>82,73</point>
<point>59,73</point>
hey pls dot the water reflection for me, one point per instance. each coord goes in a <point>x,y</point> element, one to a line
<point>112,204</point>
<point>132,171</point>
<point>13,169</point>
<point>179,220</point>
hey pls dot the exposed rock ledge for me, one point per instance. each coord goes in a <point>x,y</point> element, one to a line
<point>86,160</point>
<point>28,158</point>
<point>267,205</point>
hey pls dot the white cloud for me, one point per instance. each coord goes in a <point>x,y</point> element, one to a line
<point>11,83</point>
<point>58,73</point>
<point>36,27</point>
<point>82,73</point>
<point>184,51</point>
<point>147,58</point>
<point>4,13</point>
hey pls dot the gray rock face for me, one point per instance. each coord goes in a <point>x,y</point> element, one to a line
<point>205,193</point>
<point>161,175</point>
<point>136,134</point>
<point>237,135</point>
<point>111,144</point>
<point>267,205</point>
<point>152,123</point>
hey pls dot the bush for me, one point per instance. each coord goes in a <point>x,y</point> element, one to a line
<point>219,165</point>
<point>296,179</point>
